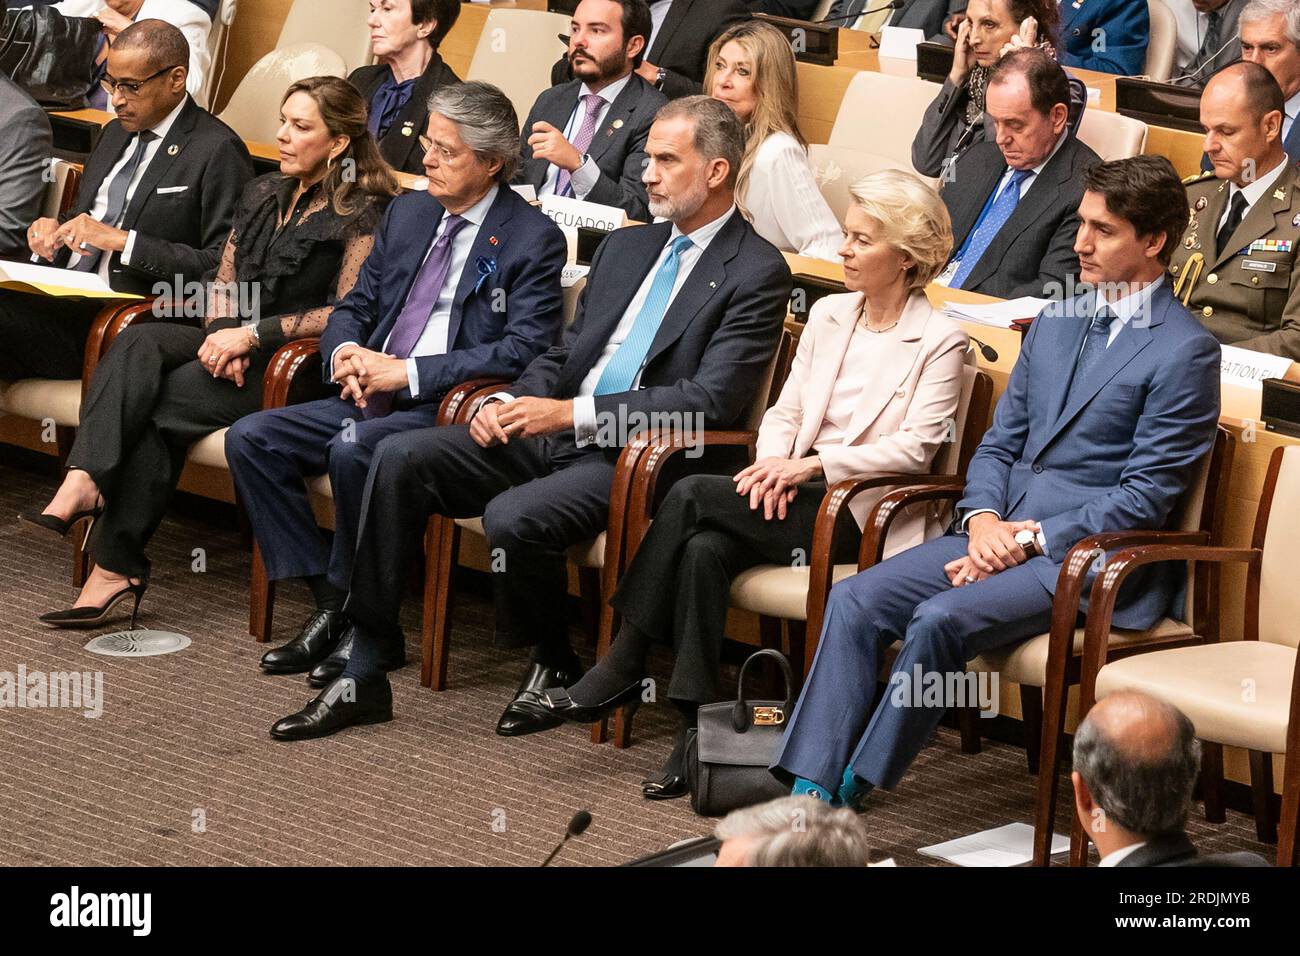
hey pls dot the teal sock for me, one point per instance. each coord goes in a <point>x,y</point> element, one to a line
<point>852,791</point>
<point>806,788</point>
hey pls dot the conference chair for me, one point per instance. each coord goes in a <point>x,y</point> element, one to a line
<point>1045,666</point>
<point>339,25</point>
<point>1163,42</point>
<point>247,112</point>
<point>797,595</point>
<point>218,39</point>
<point>1237,693</point>
<point>1112,136</point>
<point>516,51</point>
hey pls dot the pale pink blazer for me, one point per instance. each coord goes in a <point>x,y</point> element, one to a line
<point>904,414</point>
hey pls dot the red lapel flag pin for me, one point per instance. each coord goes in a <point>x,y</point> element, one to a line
<point>492,240</point>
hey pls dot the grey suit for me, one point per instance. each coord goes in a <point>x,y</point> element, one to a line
<point>1035,247</point>
<point>618,146</point>
<point>1214,56</point>
<point>24,150</point>
<point>1176,850</point>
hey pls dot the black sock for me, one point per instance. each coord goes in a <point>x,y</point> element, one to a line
<point>328,597</point>
<point>621,665</point>
<point>363,663</point>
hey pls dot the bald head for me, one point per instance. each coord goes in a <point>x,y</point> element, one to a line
<point>1241,111</point>
<point>1251,86</point>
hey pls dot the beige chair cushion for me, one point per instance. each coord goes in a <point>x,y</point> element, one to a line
<point>337,24</point>
<point>249,114</point>
<point>588,554</point>
<point>1163,41</point>
<point>515,53</point>
<point>1237,693</point>
<point>1026,663</point>
<point>42,398</point>
<point>210,451</point>
<point>775,590</point>
<point>1112,136</point>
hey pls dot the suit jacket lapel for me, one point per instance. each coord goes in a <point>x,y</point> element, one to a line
<point>417,247</point>
<point>107,152</point>
<point>556,112</point>
<point>171,147</point>
<point>828,364</point>
<point>895,360</point>
<point>986,179</point>
<point>1292,142</point>
<point>488,244</point>
<point>676,15</point>
<point>1261,218</point>
<point>621,109</point>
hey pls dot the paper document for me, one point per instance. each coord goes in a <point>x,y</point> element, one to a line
<point>48,280</point>
<point>997,314</point>
<point>1011,845</point>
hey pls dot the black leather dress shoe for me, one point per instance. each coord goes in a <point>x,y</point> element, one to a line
<point>342,704</point>
<point>319,636</point>
<point>668,786</point>
<point>331,669</point>
<point>556,700</point>
<point>525,714</point>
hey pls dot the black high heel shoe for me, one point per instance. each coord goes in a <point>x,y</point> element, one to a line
<point>58,525</point>
<point>90,616</point>
<point>556,700</point>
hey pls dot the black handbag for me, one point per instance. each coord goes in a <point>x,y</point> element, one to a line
<point>728,753</point>
<point>49,55</point>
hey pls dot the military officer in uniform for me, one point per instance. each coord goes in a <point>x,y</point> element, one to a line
<point>1235,268</point>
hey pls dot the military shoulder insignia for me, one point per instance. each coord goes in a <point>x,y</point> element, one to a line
<point>1198,177</point>
<point>1201,203</point>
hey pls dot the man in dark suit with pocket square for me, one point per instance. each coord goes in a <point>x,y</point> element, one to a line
<point>463,282</point>
<point>155,203</point>
<point>679,318</point>
<point>586,138</point>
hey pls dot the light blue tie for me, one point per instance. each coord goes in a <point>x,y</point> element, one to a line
<point>997,217</point>
<point>621,371</point>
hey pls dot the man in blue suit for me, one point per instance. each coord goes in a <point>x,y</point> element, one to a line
<point>463,282</point>
<point>1109,36</point>
<point>1114,398</point>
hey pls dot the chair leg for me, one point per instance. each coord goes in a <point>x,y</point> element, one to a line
<point>604,637</point>
<point>1261,791</point>
<point>1049,766</point>
<point>769,632</point>
<point>1212,781</point>
<point>622,728</point>
<point>798,632</point>
<point>80,536</point>
<point>1288,853</point>
<point>1031,711</point>
<point>261,599</point>
<point>442,539</point>
<point>968,724</point>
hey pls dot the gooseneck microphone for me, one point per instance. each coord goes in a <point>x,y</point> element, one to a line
<point>989,352</point>
<point>577,827</point>
<point>893,5</point>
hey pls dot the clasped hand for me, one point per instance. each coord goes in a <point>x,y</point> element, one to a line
<point>362,372</point>
<point>496,422</point>
<point>774,482</point>
<point>992,548</point>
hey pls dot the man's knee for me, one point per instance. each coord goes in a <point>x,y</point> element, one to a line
<point>507,523</point>
<point>938,627</point>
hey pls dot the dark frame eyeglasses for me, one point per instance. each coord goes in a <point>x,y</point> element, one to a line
<point>131,87</point>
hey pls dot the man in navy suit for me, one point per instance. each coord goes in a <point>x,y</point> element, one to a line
<point>463,282</point>
<point>1112,401</point>
<point>1109,36</point>
<point>681,317</point>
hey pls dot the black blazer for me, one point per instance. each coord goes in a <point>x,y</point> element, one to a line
<point>1035,249</point>
<point>618,146</point>
<point>712,350</point>
<point>682,44</point>
<point>183,207</point>
<point>401,144</point>
<point>1176,850</point>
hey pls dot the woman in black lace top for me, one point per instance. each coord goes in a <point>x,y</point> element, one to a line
<point>296,247</point>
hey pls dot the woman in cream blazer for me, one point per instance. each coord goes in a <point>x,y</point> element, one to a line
<point>874,388</point>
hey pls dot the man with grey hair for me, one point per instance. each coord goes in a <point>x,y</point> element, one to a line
<point>463,282</point>
<point>792,831</point>
<point>1270,36</point>
<point>1135,763</point>
<point>678,322</point>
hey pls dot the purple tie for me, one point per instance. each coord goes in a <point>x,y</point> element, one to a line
<point>563,184</point>
<point>418,310</point>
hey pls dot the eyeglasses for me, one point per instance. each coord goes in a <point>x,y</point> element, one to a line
<point>131,87</point>
<point>444,153</point>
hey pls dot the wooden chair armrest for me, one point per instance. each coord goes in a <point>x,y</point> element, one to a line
<point>287,364</point>
<point>108,323</point>
<point>459,400</point>
<point>920,488</point>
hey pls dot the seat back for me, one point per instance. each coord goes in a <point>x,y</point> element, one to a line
<point>1162,42</point>
<point>1202,507</point>
<point>1277,531</point>
<point>252,111</point>
<point>969,423</point>
<point>769,387</point>
<point>516,51</point>
<point>1112,136</point>
<point>337,24</point>
<point>896,105</point>
<point>838,167</point>
<point>61,193</point>
<point>571,296</point>
<point>218,41</point>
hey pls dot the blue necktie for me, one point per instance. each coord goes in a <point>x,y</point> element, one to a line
<point>990,226</point>
<point>1094,344</point>
<point>622,368</point>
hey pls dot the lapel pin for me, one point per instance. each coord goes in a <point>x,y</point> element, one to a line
<point>1279,194</point>
<point>1189,241</point>
<point>1201,203</point>
<point>713,285</point>
<point>1295,220</point>
<point>406,130</point>
<point>173,149</point>
<point>492,240</point>
<point>618,124</point>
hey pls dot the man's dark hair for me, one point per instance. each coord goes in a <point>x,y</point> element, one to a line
<point>636,22</point>
<point>1263,94</point>
<point>1146,191</point>
<point>1048,84</point>
<point>164,45</point>
<point>443,12</point>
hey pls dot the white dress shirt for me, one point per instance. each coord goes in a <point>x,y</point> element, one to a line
<point>846,393</point>
<point>1113,858</point>
<point>785,204</point>
<point>185,16</point>
<point>658,13</point>
<point>433,340</point>
<point>1254,191</point>
<point>100,207</point>
<point>584,178</point>
<point>1191,28</point>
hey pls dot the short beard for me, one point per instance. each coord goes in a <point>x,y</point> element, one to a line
<point>605,69</point>
<point>680,207</point>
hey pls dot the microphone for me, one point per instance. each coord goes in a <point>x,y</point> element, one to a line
<point>577,827</point>
<point>989,352</point>
<point>892,5</point>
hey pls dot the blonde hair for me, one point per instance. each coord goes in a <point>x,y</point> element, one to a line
<point>911,217</point>
<point>776,90</point>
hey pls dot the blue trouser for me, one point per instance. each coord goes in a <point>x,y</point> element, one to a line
<point>271,452</point>
<point>906,598</point>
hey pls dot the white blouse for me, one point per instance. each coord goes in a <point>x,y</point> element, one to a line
<point>786,206</point>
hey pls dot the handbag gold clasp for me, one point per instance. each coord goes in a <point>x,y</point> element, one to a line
<point>768,716</point>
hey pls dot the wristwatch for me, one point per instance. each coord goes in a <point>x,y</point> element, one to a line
<point>659,80</point>
<point>1028,541</point>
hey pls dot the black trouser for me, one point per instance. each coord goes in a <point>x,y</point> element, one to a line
<point>537,497</point>
<point>149,401</point>
<point>42,336</point>
<point>702,536</point>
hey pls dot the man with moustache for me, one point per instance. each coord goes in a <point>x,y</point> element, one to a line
<point>586,138</point>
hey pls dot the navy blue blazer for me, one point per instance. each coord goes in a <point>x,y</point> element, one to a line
<point>1118,454</point>
<point>713,347</point>
<point>1118,29</point>
<point>508,308</point>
